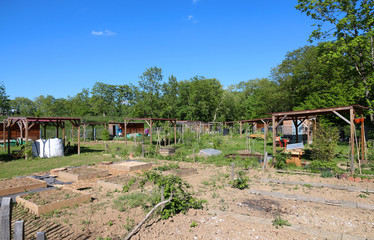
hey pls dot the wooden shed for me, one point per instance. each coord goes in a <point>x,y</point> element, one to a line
<point>16,132</point>
<point>132,127</point>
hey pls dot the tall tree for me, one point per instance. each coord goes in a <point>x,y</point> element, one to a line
<point>4,99</point>
<point>350,23</point>
<point>170,97</point>
<point>150,92</point>
<point>25,106</point>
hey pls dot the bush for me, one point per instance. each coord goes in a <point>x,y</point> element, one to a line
<point>281,160</point>
<point>241,181</point>
<point>105,134</point>
<point>323,166</point>
<point>325,143</point>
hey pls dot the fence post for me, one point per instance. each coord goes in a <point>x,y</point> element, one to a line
<point>232,171</point>
<point>5,218</point>
<point>19,230</point>
<point>40,236</point>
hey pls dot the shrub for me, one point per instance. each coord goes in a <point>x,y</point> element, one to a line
<point>241,181</point>
<point>279,222</point>
<point>105,134</point>
<point>325,143</point>
<point>281,160</point>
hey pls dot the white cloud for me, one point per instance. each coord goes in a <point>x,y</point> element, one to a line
<point>192,19</point>
<point>103,33</point>
<point>97,33</point>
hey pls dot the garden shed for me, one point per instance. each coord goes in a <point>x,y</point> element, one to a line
<point>132,127</point>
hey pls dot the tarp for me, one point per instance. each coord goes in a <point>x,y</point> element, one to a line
<point>209,152</point>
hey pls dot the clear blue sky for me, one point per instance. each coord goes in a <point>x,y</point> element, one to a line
<point>58,47</point>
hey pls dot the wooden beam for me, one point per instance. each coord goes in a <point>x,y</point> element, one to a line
<point>352,116</point>
<point>19,230</point>
<point>339,115</point>
<point>125,133</point>
<point>26,136</point>
<point>5,218</point>
<point>150,130</point>
<point>79,139</point>
<point>274,147</point>
<point>363,143</point>
<point>63,135</point>
<point>265,141</point>
<point>4,135</point>
<point>280,121</point>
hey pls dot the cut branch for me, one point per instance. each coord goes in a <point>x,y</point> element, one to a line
<point>146,217</point>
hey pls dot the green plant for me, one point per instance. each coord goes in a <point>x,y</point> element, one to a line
<point>105,134</point>
<point>130,223</point>
<point>281,160</point>
<point>325,143</point>
<point>193,224</point>
<point>323,166</point>
<point>327,174</point>
<point>110,223</point>
<point>279,222</point>
<point>363,195</point>
<point>167,167</point>
<point>127,186</point>
<point>241,181</point>
<point>28,150</point>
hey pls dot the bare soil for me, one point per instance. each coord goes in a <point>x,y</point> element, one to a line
<point>54,195</point>
<point>17,182</point>
<point>230,213</point>
<point>83,170</point>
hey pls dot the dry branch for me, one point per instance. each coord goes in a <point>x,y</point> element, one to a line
<point>146,217</point>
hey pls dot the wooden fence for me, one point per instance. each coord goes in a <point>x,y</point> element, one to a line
<point>6,220</point>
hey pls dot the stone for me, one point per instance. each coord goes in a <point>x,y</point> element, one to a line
<point>358,179</point>
<point>351,179</point>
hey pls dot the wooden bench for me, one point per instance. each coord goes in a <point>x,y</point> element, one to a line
<point>296,151</point>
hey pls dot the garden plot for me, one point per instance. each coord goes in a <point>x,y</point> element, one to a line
<point>130,166</point>
<point>181,172</point>
<point>82,173</point>
<point>47,201</point>
<point>116,183</point>
<point>17,185</point>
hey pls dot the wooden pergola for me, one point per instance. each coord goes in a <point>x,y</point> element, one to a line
<point>92,124</point>
<point>150,122</point>
<point>26,123</point>
<point>277,118</point>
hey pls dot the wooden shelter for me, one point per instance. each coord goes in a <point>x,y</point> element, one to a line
<point>298,117</point>
<point>27,123</point>
<point>132,127</point>
<point>150,122</point>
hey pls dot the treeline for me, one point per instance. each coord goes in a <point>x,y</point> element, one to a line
<point>307,78</point>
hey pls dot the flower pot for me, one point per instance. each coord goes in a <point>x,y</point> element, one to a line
<point>357,120</point>
<point>362,120</point>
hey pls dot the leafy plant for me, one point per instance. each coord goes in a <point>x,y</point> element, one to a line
<point>281,160</point>
<point>167,167</point>
<point>105,134</point>
<point>279,222</point>
<point>363,195</point>
<point>193,224</point>
<point>327,174</point>
<point>325,143</point>
<point>241,181</point>
<point>130,223</point>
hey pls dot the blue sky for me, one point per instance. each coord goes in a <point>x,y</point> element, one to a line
<point>58,47</point>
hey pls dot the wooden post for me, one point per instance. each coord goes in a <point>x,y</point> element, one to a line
<point>4,142</point>
<point>150,130</point>
<point>175,133</point>
<point>125,133</point>
<point>93,132</point>
<point>41,235</point>
<point>265,140</point>
<point>274,148</point>
<point>363,143</point>
<point>84,132</point>
<point>57,130</point>
<point>9,133</point>
<point>45,131</point>
<point>26,136</point>
<point>294,120</point>
<point>19,230</point>
<point>308,133</point>
<point>5,218</point>
<point>79,138</point>
<point>352,116</point>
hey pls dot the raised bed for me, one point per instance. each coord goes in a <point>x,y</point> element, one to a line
<point>17,185</point>
<point>181,172</point>
<point>81,173</point>
<point>117,182</point>
<point>244,155</point>
<point>166,151</point>
<point>130,166</point>
<point>47,201</point>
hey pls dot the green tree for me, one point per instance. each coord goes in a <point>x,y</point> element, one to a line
<point>149,95</point>
<point>350,23</point>
<point>4,99</point>
<point>103,99</point>
<point>169,98</point>
<point>25,106</point>
<point>80,104</point>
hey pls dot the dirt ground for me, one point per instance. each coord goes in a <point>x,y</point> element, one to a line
<point>230,213</point>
